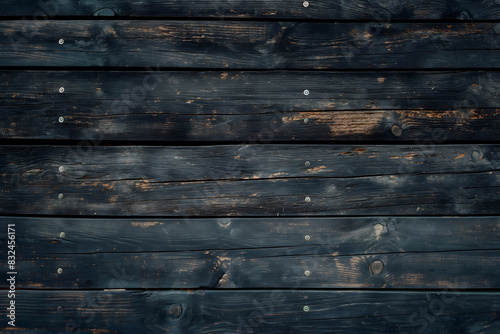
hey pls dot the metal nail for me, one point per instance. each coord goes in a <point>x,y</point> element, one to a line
<point>61,119</point>
<point>306,92</point>
<point>61,41</point>
<point>308,199</point>
<point>307,164</point>
<point>59,309</point>
<point>307,237</point>
<point>61,89</point>
<point>306,308</point>
<point>307,273</point>
<point>62,235</point>
<point>61,196</point>
<point>305,4</point>
<point>59,270</point>
<point>61,168</point>
<point>306,120</point>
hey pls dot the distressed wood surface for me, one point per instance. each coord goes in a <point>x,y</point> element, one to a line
<point>250,106</point>
<point>342,236</point>
<point>339,253</point>
<point>330,10</point>
<point>249,45</point>
<point>250,180</point>
<point>269,311</point>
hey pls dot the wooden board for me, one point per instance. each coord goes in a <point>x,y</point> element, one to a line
<point>215,253</point>
<point>250,180</point>
<point>260,311</point>
<point>329,10</point>
<point>250,106</point>
<point>249,45</point>
<point>342,236</point>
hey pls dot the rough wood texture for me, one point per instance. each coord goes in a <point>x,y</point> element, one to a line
<point>250,45</point>
<point>250,180</point>
<point>270,311</point>
<point>342,236</point>
<point>330,10</point>
<point>340,253</point>
<point>250,106</point>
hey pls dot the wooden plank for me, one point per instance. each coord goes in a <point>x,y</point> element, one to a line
<point>250,180</point>
<point>343,236</point>
<point>348,10</point>
<point>249,45</point>
<point>252,106</point>
<point>394,252</point>
<point>276,311</point>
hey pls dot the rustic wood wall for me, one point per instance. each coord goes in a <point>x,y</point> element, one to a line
<point>229,166</point>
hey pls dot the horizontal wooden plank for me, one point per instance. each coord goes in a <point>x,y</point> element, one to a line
<point>342,236</point>
<point>349,10</point>
<point>395,252</point>
<point>250,106</point>
<point>250,180</point>
<point>249,45</point>
<point>276,311</point>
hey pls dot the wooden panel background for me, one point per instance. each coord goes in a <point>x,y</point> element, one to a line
<point>251,166</point>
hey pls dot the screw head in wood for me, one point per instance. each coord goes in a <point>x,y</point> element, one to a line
<point>61,41</point>
<point>376,267</point>
<point>59,270</point>
<point>305,4</point>
<point>306,308</point>
<point>61,89</point>
<point>61,119</point>
<point>307,164</point>
<point>61,168</point>
<point>307,199</point>
<point>306,120</point>
<point>396,130</point>
<point>307,273</point>
<point>59,309</point>
<point>306,92</point>
<point>62,235</point>
<point>61,196</point>
<point>307,237</point>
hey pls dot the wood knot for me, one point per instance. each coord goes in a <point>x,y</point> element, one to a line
<point>376,267</point>
<point>396,130</point>
<point>175,311</point>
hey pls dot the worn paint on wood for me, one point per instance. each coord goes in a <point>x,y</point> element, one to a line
<point>249,45</point>
<point>430,107</point>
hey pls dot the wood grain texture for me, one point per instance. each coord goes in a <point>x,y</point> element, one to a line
<point>250,106</point>
<point>249,45</point>
<point>342,236</point>
<point>251,253</point>
<point>271,311</point>
<point>339,10</point>
<point>250,180</point>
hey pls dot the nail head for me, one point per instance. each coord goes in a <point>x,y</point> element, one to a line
<point>59,309</point>
<point>61,119</point>
<point>307,237</point>
<point>308,199</point>
<point>306,120</point>
<point>59,270</point>
<point>306,92</point>
<point>305,4</point>
<point>61,41</point>
<point>61,168</point>
<point>306,308</point>
<point>61,89</point>
<point>307,164</point>
<point>61,196</point>
<point>307,273</point>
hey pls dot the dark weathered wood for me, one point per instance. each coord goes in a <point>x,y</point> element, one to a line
<point>332,10</point>
<point>342,236</point>
<point>249,45</point>
<point>249,253</point>
<point>250,106</point>
<point>250,180</point>
<point>276,311</point>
